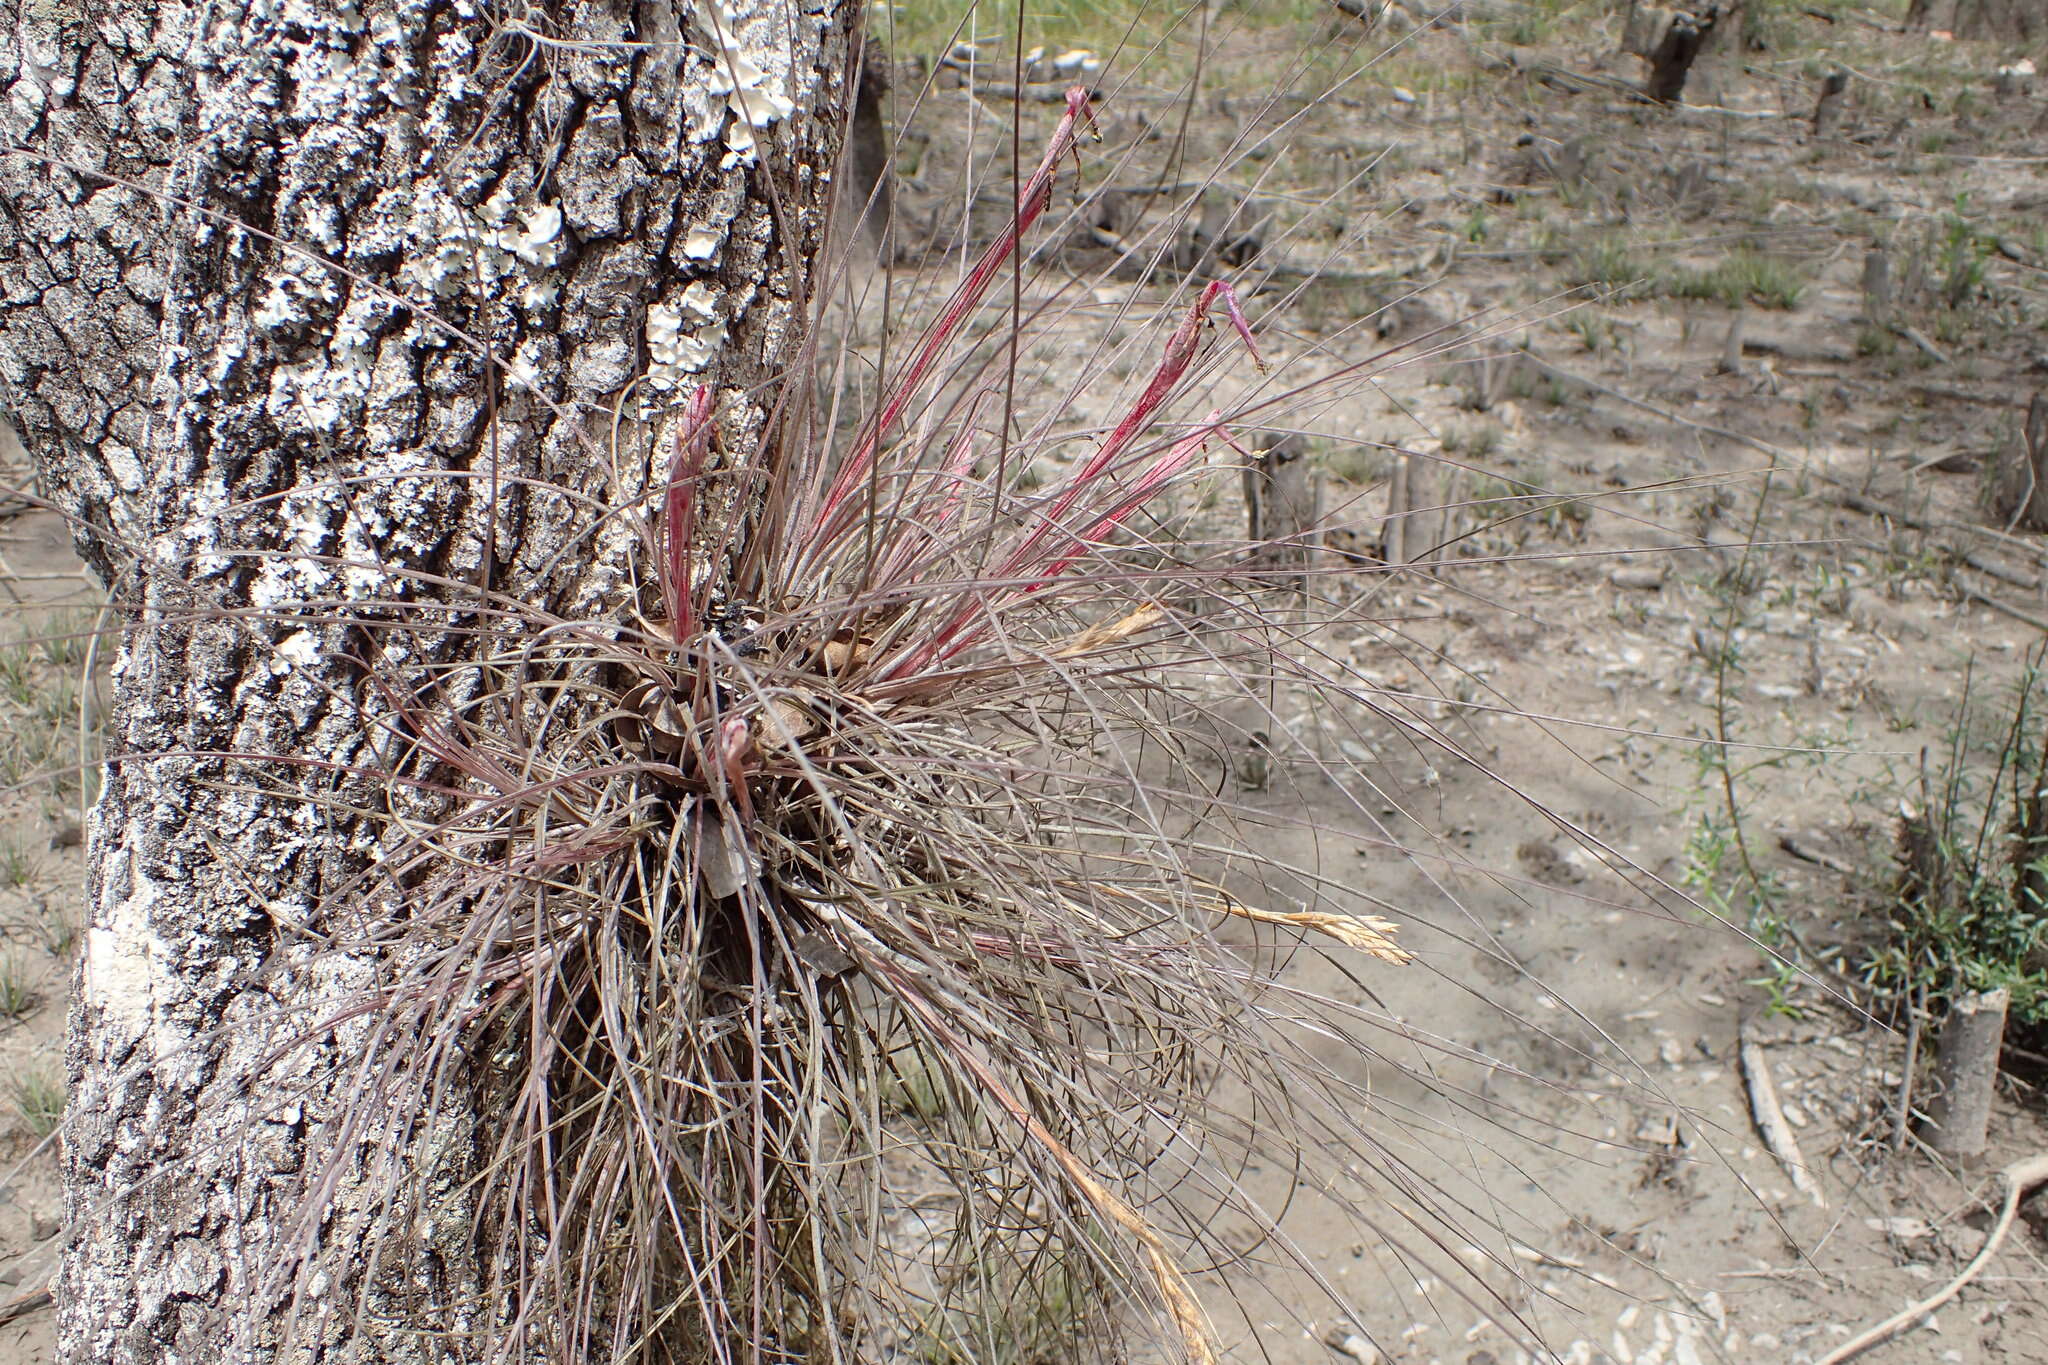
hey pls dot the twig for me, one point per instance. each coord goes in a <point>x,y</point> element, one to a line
<point>1863,17</point>
<point>1770,1120</point>
<point>1644,101</point>
<point>1047,92</point>
<point>1856,502</point>
<point>1905,1118</point>
<point>2019,1177</point>
<point>2006,609</point>
<point>33,1302</point>
<point>1563,77</point>
<point>1848,498</point>
<point>1998,571</point>
<point>1919,339</point>
<point>1790,1272</point>
<point>1777,453</point>
<point>1790,841</point>
<point>1957,393</point>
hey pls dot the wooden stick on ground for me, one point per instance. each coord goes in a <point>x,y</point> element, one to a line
<point>2019,1177</point>
<point>1770,1120</point>
<point>32,1302</point>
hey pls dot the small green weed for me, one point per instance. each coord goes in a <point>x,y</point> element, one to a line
<point>37,1093</point>
<point>1020,1309</point>
<point>17,865</point>
<point>17,673</point>
<point>17,996</point>
<point>928,27</point>
<point>1595,333</point>
<point>1355,464</point>
<point>67,635</point>
<point>1473,443</point>
<point>1716,873</point>
<point>57,930</point>
<point>1963,257</point>
<point>1515,509</point>
<point>1969,910</point>
<point>1610,263</point>
<point>1744,277</point>
<point>911,1088</point>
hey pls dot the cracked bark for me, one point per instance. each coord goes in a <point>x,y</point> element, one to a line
<point>213,250</point>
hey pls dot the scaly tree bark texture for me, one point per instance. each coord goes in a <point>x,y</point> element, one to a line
<point>322,303</point>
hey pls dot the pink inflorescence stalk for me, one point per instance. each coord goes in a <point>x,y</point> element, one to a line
<point>679,513</point>
<point>1031,202</point>
<point>1057,541</point>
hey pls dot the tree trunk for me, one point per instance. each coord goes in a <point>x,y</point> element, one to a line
<point>1923,15</point>
<point>220,247</point>
<point>2005,21</point>
<point>1966,1074</point>
<point>1672,49</point>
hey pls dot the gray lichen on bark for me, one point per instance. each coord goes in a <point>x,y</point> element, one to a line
<point>257,263</point>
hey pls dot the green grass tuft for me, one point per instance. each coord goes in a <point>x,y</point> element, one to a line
<point>37,1094</point>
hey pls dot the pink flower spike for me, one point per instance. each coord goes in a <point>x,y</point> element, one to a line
<point>959,464</point>
<point>928,526</point>
<point>679,512</point>
<point>963,631</point>
<point>1031,202</point>
<point>735,739</point>
<point>1180,353</point>
<point>1140,492</point>
<point>1244,329</point>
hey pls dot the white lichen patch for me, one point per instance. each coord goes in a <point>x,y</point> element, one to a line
<point>702,243</point>
<point>499,249</point>
<point>302,573</point>
<point>327,390</point>
<point>122,950</point>
<point>699,301</point>
<point>451,250</point>
<point>538,241</point>
<point>297,650</point>
<point>124,467</point>
<point>394,512</point>
<point>682,338</point>
<point>292,298</point>
<point>750,70</point>
<point>523,370</point>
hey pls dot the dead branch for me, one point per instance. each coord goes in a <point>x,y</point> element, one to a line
<point>1770,1119</point>
<point>2019,1177</point>
<point>2007,609</point>
<point>34,1301</point>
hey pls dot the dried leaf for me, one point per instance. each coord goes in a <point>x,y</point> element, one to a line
<point>1368,933</point>
<point>723,859</point>
<point>1105,633</point>
<point>838,655</point>
<point>785,723</point>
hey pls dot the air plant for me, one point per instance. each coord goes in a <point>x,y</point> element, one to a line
<point>878,793</point>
